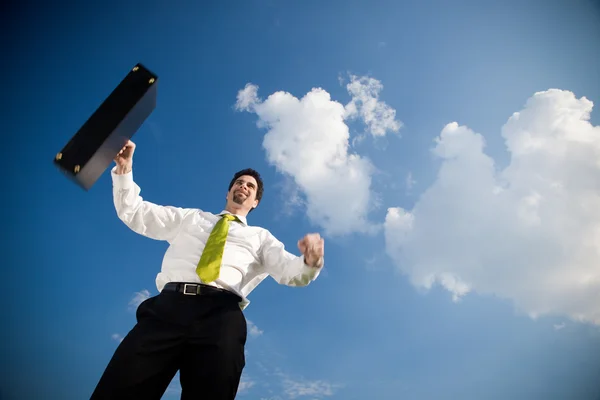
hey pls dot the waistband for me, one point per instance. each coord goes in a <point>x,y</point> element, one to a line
<point>199,289</point>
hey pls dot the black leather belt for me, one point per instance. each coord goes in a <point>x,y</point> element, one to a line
<point>198,289</point>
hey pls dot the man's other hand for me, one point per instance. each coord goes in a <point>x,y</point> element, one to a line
<point>312,246</point>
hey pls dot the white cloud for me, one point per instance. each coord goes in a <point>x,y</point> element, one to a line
<point>365,103</point>
<point>253,330</point>
<point>138,298</point>
<point>308,140</point>
<point>530,232</point>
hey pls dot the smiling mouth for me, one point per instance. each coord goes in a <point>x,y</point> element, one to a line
<point>239,196</point>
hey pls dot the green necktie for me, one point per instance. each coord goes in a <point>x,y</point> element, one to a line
<point>210,261</point>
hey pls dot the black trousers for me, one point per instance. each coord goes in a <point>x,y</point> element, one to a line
<point>201,336</point>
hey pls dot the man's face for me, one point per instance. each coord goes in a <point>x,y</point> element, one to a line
<point>243,193</point>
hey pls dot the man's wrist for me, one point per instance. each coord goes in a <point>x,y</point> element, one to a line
<point>314,263</point>
<point>122,170</point>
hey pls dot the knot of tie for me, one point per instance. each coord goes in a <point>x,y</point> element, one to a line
<point>230,217</point>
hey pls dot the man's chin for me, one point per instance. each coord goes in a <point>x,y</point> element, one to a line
<point>238,200</point>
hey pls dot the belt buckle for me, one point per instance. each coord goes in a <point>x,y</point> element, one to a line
<point>185,286</point>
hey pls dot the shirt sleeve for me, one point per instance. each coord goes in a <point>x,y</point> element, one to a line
<point>143,217</point>
<point>286,268</point>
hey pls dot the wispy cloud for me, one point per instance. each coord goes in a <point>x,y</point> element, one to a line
<point>174,388</point>
<point>291,197</point>
<point>529,232</point>
<point>379,117</point>
<point>245,384</point>
<point>253,330</point>
<point>374,263</point>
<point>117,337</point>
<point>272,376</point>
<point>138,298</point>
<point>410,182</point>
<point>299,387</point>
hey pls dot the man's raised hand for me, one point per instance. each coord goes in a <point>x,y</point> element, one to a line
<point>124,159</point>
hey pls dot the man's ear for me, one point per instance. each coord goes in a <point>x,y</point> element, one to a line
<point>255,203</point>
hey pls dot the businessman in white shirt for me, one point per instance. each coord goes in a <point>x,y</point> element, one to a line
<point>196,326</point>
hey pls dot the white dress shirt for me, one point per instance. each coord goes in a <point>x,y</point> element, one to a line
<point>251,253</point>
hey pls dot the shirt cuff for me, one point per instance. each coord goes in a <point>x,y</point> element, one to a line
<point>121,180</point>
<point>311,272</point>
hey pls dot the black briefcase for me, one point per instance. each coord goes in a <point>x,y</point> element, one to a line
<point>95,145</point>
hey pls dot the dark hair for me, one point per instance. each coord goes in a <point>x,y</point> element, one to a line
<point>255,175</point>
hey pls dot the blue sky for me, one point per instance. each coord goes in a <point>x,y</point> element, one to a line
<point>477,277</point>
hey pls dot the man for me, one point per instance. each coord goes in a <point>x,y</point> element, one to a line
<point>196,324</point>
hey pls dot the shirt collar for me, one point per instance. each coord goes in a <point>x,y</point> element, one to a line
<point>242,218</point>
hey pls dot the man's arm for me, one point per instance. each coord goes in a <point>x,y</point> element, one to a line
<point>147,219</point>
<point>289,269</point>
